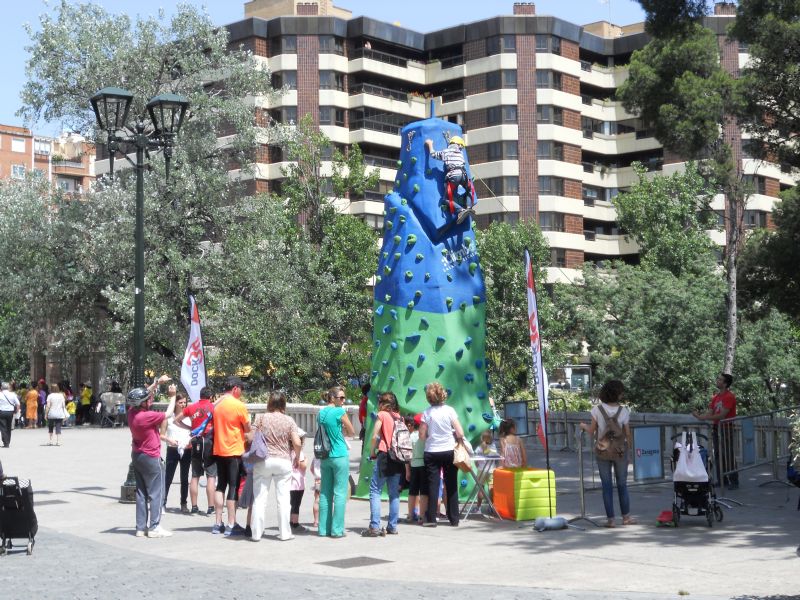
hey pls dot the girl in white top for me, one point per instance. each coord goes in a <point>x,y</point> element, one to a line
<point>55,411</point>
<point>179,447</point>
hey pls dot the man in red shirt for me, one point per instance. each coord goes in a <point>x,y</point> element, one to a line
<point>201,414</point>
<point>723,406</point>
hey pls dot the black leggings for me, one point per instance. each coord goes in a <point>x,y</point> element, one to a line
<point>173,460</point>
<point>295,498</point>
<point>434,462</point>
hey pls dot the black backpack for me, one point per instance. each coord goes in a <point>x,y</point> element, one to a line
<point>322,443</point>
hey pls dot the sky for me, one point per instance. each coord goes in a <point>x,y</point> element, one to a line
<point>419,15</point>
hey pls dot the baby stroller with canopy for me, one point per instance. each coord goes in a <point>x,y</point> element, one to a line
<point>694,493</point>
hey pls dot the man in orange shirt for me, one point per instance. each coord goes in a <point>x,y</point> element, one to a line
<point>231,423</point>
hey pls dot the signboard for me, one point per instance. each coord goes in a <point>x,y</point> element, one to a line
<point>648,461</point>
<point>518,411</point>
<point>748,442</point>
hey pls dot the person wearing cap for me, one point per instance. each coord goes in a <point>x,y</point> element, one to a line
<point>455,174</point>
<point>201,415</point>
<point>146,427</point>
<point>283,442</point>
<point>231,424</point>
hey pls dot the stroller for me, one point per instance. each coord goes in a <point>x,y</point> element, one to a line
<point>694,490</point>
<point>17,519</point>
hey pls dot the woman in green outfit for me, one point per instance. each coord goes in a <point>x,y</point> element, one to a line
<point>336,468</point>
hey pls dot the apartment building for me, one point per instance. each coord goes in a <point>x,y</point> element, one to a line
<point>67,161</point>
<point>534,95</point>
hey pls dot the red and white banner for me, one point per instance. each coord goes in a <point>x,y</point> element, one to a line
<point>539,376</point>
<point>193,367</point>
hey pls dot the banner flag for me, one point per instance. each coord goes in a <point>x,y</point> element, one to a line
<point>540,377</point>
<point>193,367</point>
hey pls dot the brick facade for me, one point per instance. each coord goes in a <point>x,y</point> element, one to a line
<point>573,154</point>
<point>724,8</point>
<point>573,189</point>
<point>257,45</point>
<point>526,124</point>
<point>772,187</point>
<point>524,8</point>
<point>573,224</point>
<point>475,119</point>
<point>308,9</point>
<point>572,119</point>
<point>570,50</point>
<point>308,77</point>
<point>475,49</point>
<point>571,85</point>
<point>475,84</point>
<point>574,259</point>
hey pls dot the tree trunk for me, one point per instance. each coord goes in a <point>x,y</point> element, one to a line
<point>732,253</point>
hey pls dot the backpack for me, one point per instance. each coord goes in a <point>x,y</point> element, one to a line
<point>613,445</point>
<point>322,443</point>
<point>400,446</point>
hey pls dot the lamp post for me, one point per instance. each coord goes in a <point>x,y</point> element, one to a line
<point>111,106</point>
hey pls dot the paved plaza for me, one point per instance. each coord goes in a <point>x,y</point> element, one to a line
<point>86,548</point>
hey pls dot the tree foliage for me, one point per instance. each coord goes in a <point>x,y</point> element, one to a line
<point>668,217</point>
<point>507,337</point>
<point>771,78</point>
<point>668,16</point>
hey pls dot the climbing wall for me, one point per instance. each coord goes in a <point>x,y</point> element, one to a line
<point>429,309</point>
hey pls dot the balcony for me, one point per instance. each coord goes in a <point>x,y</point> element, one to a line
<point>377,90</point>
<point>375,126</point>
<point>380,161</point>
<point>453,61</point>
<point>452,96</point>
<point>389,59</point>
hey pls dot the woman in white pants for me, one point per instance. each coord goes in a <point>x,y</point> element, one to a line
<point>280,432</point>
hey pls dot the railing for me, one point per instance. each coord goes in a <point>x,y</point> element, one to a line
<point>452,96</point>
<point>389,59</point>
<point>376,90</point>
<point>644,133</point>
<point>452,61</point>
<point>375,126</point>
<point>588,167</point>
<point>589,235</point>
<point>380,161</point>
<point>72,164</point>
<point>588,201</point>
<point>586,66</point>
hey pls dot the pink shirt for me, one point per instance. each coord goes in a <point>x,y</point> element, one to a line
<point>144,426</point>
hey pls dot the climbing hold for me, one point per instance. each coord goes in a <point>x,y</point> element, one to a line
<point>393,209</point>
<point>463,483</point>
<point>423,323</point>
<point>391,378</point>
<point>397,239</point>
<point>449,392</point>
<point>409,275</point>
<point>445,251</point>
<point>468,341</point>
<point>441,367</point>
<point>421,358</point>
<point>374,373</point>
<point>479,364</point>
<point>428,171</point>
<point>410,304</point>
<point>393,312</point>
<point>374,415</point>
<point>440,339</point>
<point>411,239</point>
<point>463,306</point>
<point>399,163</point>
<point>377,343</point>
<point>403,201</point>
<point>416,187</point>
<point>411,391</point>
<point>448,301</point>
<point>481,395</point>
<point>472,267</point>
<point>394,345</point>
<point>476,299</point>
<point>467,241</point>
<point>387,298</point>
<point>387,329</point>
<point>378,278</point>
<point>413,338</point>
<point>413,160</point>
<point>469,409</point>
<point>385,254</point>
<point>402,219</point>
<point>459,353</point>
<point>405,175</point>
<point>384,362</point>
<point>469,377</point>
<point>387,269</point>
<point>427,276</point>
<point>396,182</point>
<point>388,224</point>
<point>420,257</point>
<point>417,294</point>
<point>379,310</point>
<point>449,277</point>
<point>397,255</point>
<point>471,427</point>
<point>409,367</point>
<point>476,323</point>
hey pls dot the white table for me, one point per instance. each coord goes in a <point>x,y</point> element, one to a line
<point>480,471</point>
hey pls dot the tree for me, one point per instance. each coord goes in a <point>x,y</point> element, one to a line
<point>771,78</point>
<point>508,349</point>
<point>677,83</point>
<point>659,333</point>
<point>769,274</point>
<point>668,218</point>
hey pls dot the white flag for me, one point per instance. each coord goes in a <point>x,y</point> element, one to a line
<point>193,367</point>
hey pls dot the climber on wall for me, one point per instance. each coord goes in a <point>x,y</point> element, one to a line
<point>455,175</point>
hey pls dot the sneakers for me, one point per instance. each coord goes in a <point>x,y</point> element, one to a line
<point>210,511</point>
<point>462,215</point>
<point>218,528</point>
<point>391,531</point>
<point>159,532</point>
<point>248,532</point>
<point>235,530</point>
<point>195,511</point>
<point>298,528</point>
<point>429,524</point>
<point>185,509</point>
<point>141,533</point>
<point>372,533</point>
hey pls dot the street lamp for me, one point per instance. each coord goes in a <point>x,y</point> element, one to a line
<point>111,106</point>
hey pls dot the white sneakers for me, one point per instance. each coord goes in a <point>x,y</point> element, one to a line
<point>158,532</point>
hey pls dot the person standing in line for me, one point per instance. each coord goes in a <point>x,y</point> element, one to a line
<point>9,406</point>
<point>31,407</point>
<point>43,391</point>
<point>723,406</point>
<point>298,486</point>
<point>440,429</point>
<point>201,415</point>
<point>610,406</point>
<point>146,428</point>
<point>55,412</point>
<point>385,471</point>
<point>231,424</point>
<point>280,432</point>
<point>179,449</point>
<point>335,469</point>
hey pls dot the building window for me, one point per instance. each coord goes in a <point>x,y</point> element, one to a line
<point>551,186</point>
<point>755,218</point>
<point>374,221</point>
<point>330,44</point>
<point>18,171</point>
<point>551,221</point>
<point>41,147</point>
<point>331,80</point>
<point>592,194</point>
<point>558,257</point>
<point>286,115</point>
<point>501,186</point>
<point>38,173</point>
<point>548,43</point>
<point>17,145</point>
<point>330,115</point>
<point>549,150</point>
<point>286,44</point>
<point>499,44</point>
<point>504,79</point>
<point>548,79</point>
<point>552,115</point>
<point>502,151</point>
<point>512,218</point>
<point>498,115</point>
<point>757,183</point>
<point>286,79</point>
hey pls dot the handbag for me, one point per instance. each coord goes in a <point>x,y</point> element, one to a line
<point>461,456</point>
<point>322,443</point>
<point>689,467</point>
<point>258,448</point>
